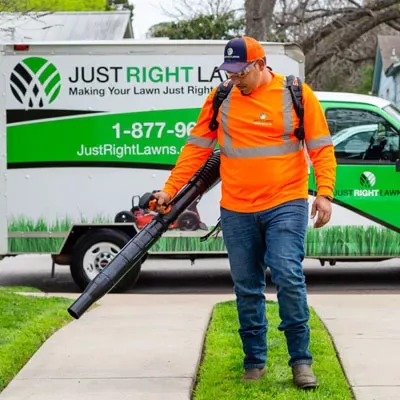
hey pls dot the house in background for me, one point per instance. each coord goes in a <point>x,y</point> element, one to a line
<point>386,79</point>
<point>65,25</point>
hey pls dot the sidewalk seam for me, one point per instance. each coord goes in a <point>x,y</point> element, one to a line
<point>200,357</point>
<point>337,355</point>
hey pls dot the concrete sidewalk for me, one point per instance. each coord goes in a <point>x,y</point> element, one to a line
<point>366,333</point>
<point>147,347</point>
<point>131,347</point>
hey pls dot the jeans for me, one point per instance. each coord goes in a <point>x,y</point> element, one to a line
<point>273,238</point>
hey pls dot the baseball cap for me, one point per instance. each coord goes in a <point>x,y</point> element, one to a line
<point>240,53</point>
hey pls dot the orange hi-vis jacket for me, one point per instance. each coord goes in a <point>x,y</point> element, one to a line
<point>262,163</point>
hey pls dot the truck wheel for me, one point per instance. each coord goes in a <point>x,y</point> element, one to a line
<point>94,251</point>
<point>188,221</point>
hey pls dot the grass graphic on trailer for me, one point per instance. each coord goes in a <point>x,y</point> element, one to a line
<point>35,82</point>
<point>328,241</point>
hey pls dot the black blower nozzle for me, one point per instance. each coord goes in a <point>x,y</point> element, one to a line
<point>132,253</point>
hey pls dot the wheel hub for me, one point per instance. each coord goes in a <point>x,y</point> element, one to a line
<point>102,260</point>
<point>98,257</point>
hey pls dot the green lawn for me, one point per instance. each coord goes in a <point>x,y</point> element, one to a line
<point>26,323</point>
<point>221,367</point>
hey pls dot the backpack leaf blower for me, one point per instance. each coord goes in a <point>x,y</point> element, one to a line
<point>131,254</point>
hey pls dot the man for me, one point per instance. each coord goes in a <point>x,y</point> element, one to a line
<point>264,203</point>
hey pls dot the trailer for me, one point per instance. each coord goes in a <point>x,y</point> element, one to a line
<point>87,127</point>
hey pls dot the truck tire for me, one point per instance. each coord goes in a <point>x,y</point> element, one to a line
<point>92,253</point>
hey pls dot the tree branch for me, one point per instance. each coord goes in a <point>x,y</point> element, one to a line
<point>357,59</point>
<point>354,3</point>
<point>184,9</point>
<point>333,10</point>
<point>394,25</point>
<point>342,21</point>
<point>342,39</point>
<point>284,23</point>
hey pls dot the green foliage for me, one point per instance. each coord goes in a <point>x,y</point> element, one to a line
<point>364,84</point>
<point>113,5</point>
<point>334,83</point>
<point>360,82</point>
<point>224,26</point>
<point>54,5</point>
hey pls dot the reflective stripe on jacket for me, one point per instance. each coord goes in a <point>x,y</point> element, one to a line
<point>262,163</point>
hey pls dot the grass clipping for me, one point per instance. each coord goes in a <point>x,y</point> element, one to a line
<point>26,323</point>
<point>222,364</point>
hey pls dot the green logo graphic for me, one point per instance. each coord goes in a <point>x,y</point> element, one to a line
<point>35,82</point>
<point>367,180</point>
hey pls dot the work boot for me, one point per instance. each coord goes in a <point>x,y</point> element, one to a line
<point>253,374</point>
<point>303,377</point>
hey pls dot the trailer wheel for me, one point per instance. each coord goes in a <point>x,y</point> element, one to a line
<point>188,221</point>
<point>124,216</point>
<point>93,252</point>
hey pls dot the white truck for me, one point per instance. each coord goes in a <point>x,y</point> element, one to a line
<point>85,127</point>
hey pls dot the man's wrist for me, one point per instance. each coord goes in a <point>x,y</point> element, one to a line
<point>325,191</point>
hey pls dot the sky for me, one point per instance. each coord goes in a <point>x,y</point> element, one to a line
<point>148,13</point>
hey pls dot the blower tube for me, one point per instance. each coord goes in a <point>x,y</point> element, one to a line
<point>131,254</point>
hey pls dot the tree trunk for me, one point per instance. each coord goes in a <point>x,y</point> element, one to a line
<point>258,18</point>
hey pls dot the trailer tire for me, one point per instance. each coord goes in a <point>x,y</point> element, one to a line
<point>93,251</point>
<point>188,221</point>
